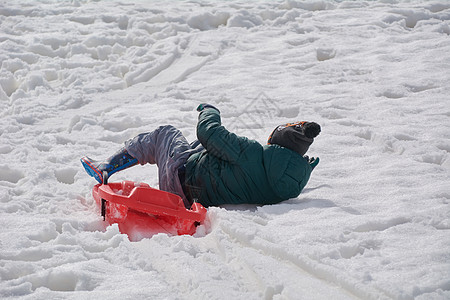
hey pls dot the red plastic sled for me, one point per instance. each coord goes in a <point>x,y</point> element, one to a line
<point>142,211</point>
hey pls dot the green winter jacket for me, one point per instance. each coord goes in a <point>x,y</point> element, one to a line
<point>236,170</point>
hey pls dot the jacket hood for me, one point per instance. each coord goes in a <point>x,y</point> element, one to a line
<point>286,170</point>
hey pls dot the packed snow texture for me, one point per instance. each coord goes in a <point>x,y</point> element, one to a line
<point>81,77</point>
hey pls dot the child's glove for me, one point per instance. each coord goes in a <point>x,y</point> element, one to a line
<point>313,161</point>
<point>202,106</point>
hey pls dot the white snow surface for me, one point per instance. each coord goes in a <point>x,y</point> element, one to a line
<point>81,77</point>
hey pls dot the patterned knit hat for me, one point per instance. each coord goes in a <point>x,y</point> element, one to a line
<point>296,136</point>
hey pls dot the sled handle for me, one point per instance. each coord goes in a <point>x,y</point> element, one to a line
<point>103,209</point>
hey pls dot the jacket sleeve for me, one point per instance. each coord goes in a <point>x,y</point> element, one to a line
<point>216,139</point>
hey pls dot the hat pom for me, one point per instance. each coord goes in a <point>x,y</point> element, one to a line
<point>311,130</point>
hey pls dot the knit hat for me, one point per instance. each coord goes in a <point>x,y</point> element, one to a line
<point>295,136</point>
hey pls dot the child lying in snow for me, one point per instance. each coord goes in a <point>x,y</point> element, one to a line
<point>221,167</point>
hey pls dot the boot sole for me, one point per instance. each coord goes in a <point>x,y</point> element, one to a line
<point>92,170</point>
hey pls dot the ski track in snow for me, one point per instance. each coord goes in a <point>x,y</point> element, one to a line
<point>81,77</point>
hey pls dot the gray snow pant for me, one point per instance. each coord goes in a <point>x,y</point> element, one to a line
<point>169,150</point>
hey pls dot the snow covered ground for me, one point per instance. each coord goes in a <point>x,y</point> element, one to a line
<point>81,77</point>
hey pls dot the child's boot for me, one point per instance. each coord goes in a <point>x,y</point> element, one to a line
<point>101,171</point>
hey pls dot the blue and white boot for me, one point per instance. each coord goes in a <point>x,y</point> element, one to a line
<point>101,171</point>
